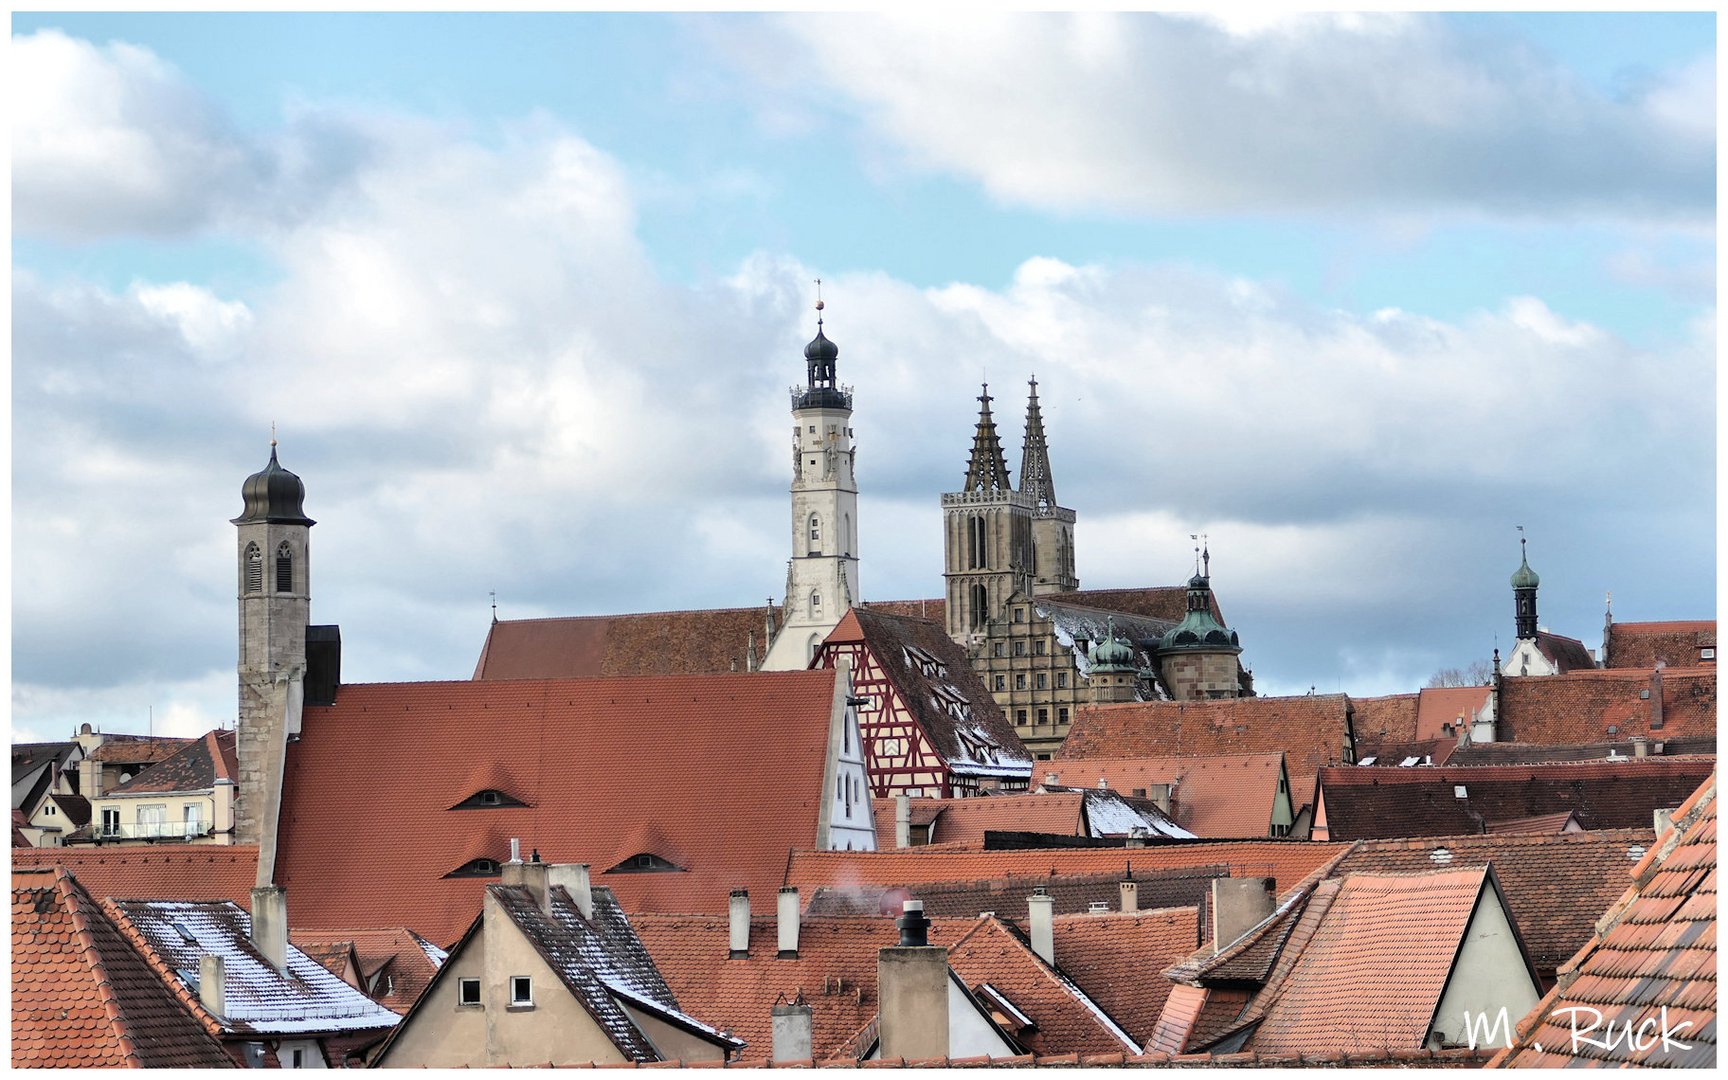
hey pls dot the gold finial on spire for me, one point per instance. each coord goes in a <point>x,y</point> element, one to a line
<point>272,434</point>
<point>819,304</point>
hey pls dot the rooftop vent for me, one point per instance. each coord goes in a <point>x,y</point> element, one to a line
<point>1097,907</point>
<point>1635,852</point>
<point>1440,856</point>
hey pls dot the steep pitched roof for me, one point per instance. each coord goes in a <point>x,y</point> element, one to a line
<point>1286,860</point>
<point>75,808</point>
<point>1312,730</point>
<point>1223,795</point>
<point>1066,1019</point>
<point>1115,959</point>
<point>1389,719</point>
<point>964,821</point>
<point>395,964</point>
<point>194,767</point>
<point>1372,803</point>
<point>934,610</point>
<point>1565,653</point>
<point>1645,644</point>
<point>598,760</point>
<point>156,871</point>
<point>1167,603</point>
<point>1510,753</point>
<point>82,997</point>
<point>259,1000</point>
<point>138,749</point>
<point>1368,962</point>
<point>1592,706</point>
<point>28,757</point>
<point>1653,958</point>
<point>945,696</point>
<point>1556,885</point>
<point>653,643</point>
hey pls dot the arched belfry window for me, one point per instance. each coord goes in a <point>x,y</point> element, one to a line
<point>284,568</point>
<point>980,603</point>
<point>254,569</point>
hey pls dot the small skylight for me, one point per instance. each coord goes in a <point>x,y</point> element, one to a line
<point>1459,791</point>
<point>186,934</point>
<point>1635,852</point>
<point>1440,855</point>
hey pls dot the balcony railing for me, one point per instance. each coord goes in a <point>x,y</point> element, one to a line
<point>152,830</point>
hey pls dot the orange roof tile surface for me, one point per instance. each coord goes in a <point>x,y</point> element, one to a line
<point>1652,962</point>
<point>1223,796</point>
<point>1288,861</point>
<point>719,775</point>
<point>1609,704</point>
<point>1644,644</point>
<point>396,964</point>
<point>82,997</point>
<point>195,767</point>
<point>156,871</point>
<point>1115,958</point>
<point>1066,1021</point>
<point>1371,959</point>
<point>965,821</point>
<point>652,643</point>
<point>1312,730</point>
<point>1389,719</point>
<point>138,748</point>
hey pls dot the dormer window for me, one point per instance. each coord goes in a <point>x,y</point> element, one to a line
<point>477,868</point>
<point>488,797</point>
<point>644,863</point>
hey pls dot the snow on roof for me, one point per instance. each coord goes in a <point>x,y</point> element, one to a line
<point>1110,815</point>
<point>258,998</point>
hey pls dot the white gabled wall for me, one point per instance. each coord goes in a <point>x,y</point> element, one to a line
<point>1490,974</point>
<point>847,823</point>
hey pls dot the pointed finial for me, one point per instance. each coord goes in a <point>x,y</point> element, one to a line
<point>1205,557</point>
<point>272,434</point>
<point>494,595</point>
<point>1196,538</point>
<point>1609,601</point>
<point>819,304</point>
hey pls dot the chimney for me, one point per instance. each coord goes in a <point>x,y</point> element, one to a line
<point>787,920</point>
<point>528,875</point>
<point>89,777</point>
<point>1051,780</point>
<point>1137,835</point>
<point>912,992</point>
<point>792,1032</point>
<point>902,820</point>
<point>1641,745</point>
<point>738,912</point>
<point>270,925</point>
<point>1160,794</point>
<point>1040,913</point>
<point>1103,785</point>
<point>574,878</point>
<point>222,817</point>
<point>1664,819</point>
<point>1239,904</point>
<point>1130,894</point>
<point>1656,698</point>
<point>213,984</point>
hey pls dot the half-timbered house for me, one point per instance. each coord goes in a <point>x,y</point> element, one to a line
<point>929,725</point>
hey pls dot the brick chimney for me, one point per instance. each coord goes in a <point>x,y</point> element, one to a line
<point>222,814</point>
<point>786,921</point>
<point>1656,698</point>
<point>912,991</point>
<point>738,924</point>
<point>270,925</point>
<point>1040,920</point>
<point>793,1032</point>
<point>1238,905</point>
<point>1160,795</point>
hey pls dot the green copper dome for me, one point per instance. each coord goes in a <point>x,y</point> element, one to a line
<point>1112,654</point>
<point>1198,630</point>
<point>1524,577</point>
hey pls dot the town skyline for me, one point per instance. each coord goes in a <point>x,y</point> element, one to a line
<point>512,346</point>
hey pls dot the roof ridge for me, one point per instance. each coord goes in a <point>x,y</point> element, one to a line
<point>1054,973</point>
<point>73,895</point>
<point>629,615</point>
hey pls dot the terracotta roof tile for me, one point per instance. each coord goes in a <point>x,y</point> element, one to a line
<point>1312,730</point>
<point>1223,795</point>
<point>1006,896</point>
<point>1367,803</point>
<point>597,759</point>
<point>1288,861</point>
<point>195,767</point>
<point>156,871</point>
<point>1565,653</point>
<point>138,748</point>
<point>1114,957</point>
<point>1644,644</point>
<point>1510,753</point>
<point>1386,719</point>
<point>965,821</point>
<point>1612,704</point>
<point>82,997</point>
<point>1653,958</point>
<point>652,643</point>
<point>397,963</point>
<point>1066,1019</point>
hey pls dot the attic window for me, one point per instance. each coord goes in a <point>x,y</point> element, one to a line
<point>186,935</point>
<point>1459,791</point>
<point>476,868</point>
<point>644,863</point>
<point>488,797</point>
<point>1441,855</point>
<point>1707,654</point>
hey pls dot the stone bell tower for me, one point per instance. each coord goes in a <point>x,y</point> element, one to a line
<point>987,536</point>
<point>822,576</point>
<point>275,597</point>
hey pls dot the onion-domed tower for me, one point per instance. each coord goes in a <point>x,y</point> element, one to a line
<point>822,576</point>
<point>1198,658</point>
<point>1112,675</point>
<point>275,596</point>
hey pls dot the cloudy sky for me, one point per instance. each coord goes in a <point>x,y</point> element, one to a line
<point>1354,297</point>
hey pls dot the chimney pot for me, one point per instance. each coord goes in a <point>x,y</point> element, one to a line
<point>1641,745</point>
<point>738,919</point>
<point>787,919</point>
<point>914,927</point>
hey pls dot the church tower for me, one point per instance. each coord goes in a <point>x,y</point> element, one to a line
<point>275,598</point>
<point>1052,525</point>
<point>822,576</point>
<point>1524,582</point>
<point>987,536</point>
<point>1198,657</point>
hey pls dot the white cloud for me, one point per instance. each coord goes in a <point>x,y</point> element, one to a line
<point>1170,114</point>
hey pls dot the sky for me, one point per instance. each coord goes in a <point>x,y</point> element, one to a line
<point>1354,297</point>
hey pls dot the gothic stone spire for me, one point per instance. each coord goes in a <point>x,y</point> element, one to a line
<point>986,471</point>
<point>1035,479</point>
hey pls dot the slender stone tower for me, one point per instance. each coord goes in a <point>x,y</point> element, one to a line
<point>275,597</point>
<point>822,576</point>
<point>987,536</point>
<point>1052,525</point>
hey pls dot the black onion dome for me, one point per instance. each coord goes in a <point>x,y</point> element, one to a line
<point>820,348</point>
<point>275,495</point>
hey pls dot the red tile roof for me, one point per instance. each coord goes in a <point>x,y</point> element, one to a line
<point>934,610</point>
<point>1313,730</point>
<point>1556,886</point>
<point>1368,803</point>
<point>1510,753</point>
<point>1115,959</point>
<point>82,997</point>
<point>1644,644</point>
<point>1593,706</point>
<point>653,643</point>
<point>1566,654</point>
<point>608,768</point>
<point>195,767</point>
<point>1286,860</point>
<point>1006,896</point>
<point>395,964</point>
<point>138,748</point>
<point>156,871</point>
<point>1067,1020</point>
<point>965,821</point>
<point>1368,963</point>
<point>1652,960</point>
<point>1385,719</point>
<point>1224,795</point>
<point>1441,710</point>
<point>959,716</point>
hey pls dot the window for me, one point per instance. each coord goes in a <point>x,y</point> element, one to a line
<point>284,568</point>
<point>1707,653</point>
<point>110,822</point>
<point>1062,715</point>
<point>999,648</point>
<point>254,569</point>
<point>845,534</point>
<point>815,535</point>
<point>297,1059</point>
<point>1020,681</point>
<point>1001,682</point>
<point>1019,614</point>
<point>151,819</point>
<point>476,868</point>
<point>1061,680</point>
<point>521,990</point>
<point>980,601</point>
<point>1038,647</point>
<point>1043,716</point>
<point>815,603</point>
<point>1042,680</point>
<point>1020,717</point>
<point>192,816</point>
